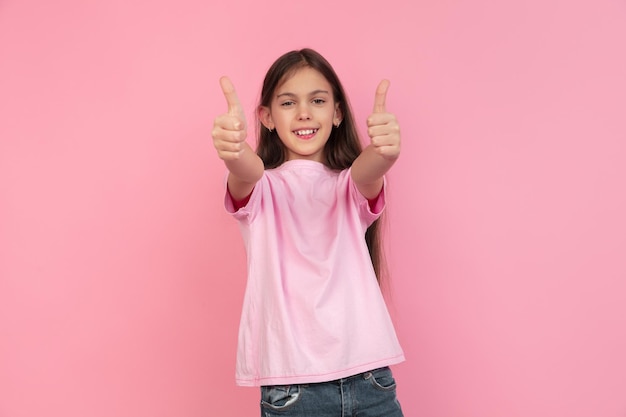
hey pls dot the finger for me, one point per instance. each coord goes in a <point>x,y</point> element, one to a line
<point>391,128</point>
<point>376,119</point>
<point>224,146</point>
<point>228,122</point>
<point>381,96</point>
<point>228,156</point>
<point>222,135</point>
<point>234,106</point>
<point>374,131</point>
<point>384,140</point>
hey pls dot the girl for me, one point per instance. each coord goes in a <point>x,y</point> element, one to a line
<point>315,333</point>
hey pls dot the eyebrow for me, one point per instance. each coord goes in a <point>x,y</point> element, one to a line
<point>312,93</point>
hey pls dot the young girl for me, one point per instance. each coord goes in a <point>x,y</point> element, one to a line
<point>315,333</point>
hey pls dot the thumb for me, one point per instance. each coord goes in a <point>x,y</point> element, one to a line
<point>234,106</point>
<point>381,96</point>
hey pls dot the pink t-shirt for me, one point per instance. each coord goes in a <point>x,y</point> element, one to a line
<point>312,310</point>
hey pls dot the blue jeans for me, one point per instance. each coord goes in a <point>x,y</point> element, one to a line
<point>370,394</point>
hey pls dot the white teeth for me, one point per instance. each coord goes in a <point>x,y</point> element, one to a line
<point>305,132</point>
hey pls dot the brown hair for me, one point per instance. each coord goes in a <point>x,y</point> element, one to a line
<point>343,145</point>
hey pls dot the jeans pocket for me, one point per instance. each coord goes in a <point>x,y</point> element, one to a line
<point>280,397</point>
<point>382,379</point>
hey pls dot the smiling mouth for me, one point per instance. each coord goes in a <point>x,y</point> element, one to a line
<point>305,133</point>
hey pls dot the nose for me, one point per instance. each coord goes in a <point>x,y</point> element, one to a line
<point>303,112</point>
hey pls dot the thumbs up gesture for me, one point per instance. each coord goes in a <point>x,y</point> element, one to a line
<point>229,129</point>
<point>382,127</point>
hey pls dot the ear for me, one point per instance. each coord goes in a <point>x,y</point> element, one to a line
<point>338,116</point>
<point>265,117</point>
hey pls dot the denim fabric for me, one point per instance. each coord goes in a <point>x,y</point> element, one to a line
<point>370,394</point>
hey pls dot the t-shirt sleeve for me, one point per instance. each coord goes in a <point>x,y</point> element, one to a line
<point>377,204</point>
<point>369,210</point>
<point>245,209</point>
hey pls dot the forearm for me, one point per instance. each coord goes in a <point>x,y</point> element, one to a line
<point>368,170</point>
<point>245,171</point>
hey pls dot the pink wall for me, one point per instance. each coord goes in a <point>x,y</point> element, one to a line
<point>121,276</point>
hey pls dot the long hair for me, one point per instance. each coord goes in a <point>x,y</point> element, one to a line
<point>343,145</point>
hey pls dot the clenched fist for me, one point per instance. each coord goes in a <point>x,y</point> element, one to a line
<point>229,129</point>
<point>382,127</point>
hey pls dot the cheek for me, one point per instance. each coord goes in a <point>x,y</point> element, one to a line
<point>283,125</point>
<point>326,115</point>
<point>283,117</point>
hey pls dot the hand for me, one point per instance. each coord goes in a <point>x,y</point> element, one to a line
<point>382,127</point>
<point>229,130</point>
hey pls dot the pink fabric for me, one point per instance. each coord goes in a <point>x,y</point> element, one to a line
<point>313,310</point>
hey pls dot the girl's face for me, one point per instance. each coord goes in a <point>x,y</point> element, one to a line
<point>303,112</point>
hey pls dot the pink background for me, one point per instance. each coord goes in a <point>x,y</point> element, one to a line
<point>121,277</point>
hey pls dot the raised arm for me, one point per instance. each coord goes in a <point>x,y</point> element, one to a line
<point>229,138</point>
<point>376,159</point>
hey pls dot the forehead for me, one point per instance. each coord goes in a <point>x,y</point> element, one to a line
<point>303,81</point>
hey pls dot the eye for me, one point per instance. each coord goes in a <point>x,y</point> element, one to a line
<point>287,103</point>
<point>319,101</point>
